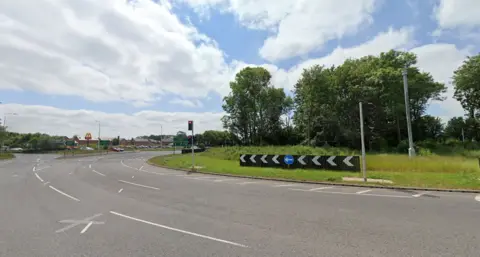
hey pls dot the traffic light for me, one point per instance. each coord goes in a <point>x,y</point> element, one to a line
<point>189,140</point>
<point>190,125</point>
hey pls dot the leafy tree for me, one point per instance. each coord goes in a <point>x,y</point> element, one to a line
<point>466,80</point>
<point>455,128</point>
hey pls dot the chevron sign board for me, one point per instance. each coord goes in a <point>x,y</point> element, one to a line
<point>340,163</point>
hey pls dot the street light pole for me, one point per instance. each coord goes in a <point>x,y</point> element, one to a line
<point>364,159</point>
<point>411,149</point>
<point>161,136</point>
<point>98,141</point>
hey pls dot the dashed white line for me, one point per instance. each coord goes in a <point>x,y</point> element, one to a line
<point>135,184</point>
<point>34,168</point>
<point>119,191</point>
<point>345,193</point>
<point>248,182</point>
<point>39,178</point>
<point>178,230</point>
<point>65,194</point>
<point>141,168</point>
<point>319,188</point>
<point>283,185</point>
<point>90,166</point>
<point>419,194</point>
<point>223,180</point>
<point>363,192</point>
<point>477,198</point>
<point>99,173</point>
<point>133,176</point>
<point>86,227</point>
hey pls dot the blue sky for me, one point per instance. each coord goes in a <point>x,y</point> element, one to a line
<point>97,55</point>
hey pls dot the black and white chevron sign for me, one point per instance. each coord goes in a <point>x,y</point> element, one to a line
<point>340,163</point>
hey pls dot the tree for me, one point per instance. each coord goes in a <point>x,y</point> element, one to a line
<point>254,107</point>
<point>466,81</point>
<point>455,128</point>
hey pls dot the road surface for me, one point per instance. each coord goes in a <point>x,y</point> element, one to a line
<point>117,205</point>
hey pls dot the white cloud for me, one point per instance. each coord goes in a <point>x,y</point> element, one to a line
<point>299,26</point>
<point>186,103</point>
<point>106,51</point>
<point>452,14</point>
<point>440,60</point>
<point>55,121</point>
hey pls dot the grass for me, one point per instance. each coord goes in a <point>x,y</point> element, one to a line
<point>457,172</point>
<point>6,156</point>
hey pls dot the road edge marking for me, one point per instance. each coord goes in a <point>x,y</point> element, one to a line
<point>363,191</point>
<point>86,227</point>
<point>178,230</point>
<point>99,173</point>
<point>140,185</point>
<point>65,194</point>
<point>345,193</point>
<point>39,178</point>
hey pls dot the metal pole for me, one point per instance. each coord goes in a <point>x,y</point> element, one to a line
<point>193,154</point>
<point>364,159</point>
<point>463,136</point>
<point>411,149</point>
<point>161,136</point>
<point>98,143</point>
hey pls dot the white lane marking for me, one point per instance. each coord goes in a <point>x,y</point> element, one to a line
<point>133,176</point>
<point>319,188</point>
<point>420,194</point>
<point>99,173</point>
<point>119,191</point>
<point>70,173</point>
<point>127,165</point>
<point>34,168</point>
<point>14,175</point>
<point>248,182</point>
<point>46,183</point>
<point>42,168</point>
<point>200,177</point>
<point>65,194</point>
<point>39,178</point>
<point>477,198</point>
<point>178,230</point>
<point>364,191</point>
<point>183,175</point>
<point>141,168</point>
<point>86,227</point>
<point>135,184</point>
<point>223,180</point>
<point>90,166</point>
<point>345,193</point>
<point>283,185</point>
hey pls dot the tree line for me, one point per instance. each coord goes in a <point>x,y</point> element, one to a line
<point>324,106</point>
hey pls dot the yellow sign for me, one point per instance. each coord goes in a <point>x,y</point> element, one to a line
<point>88,136</point>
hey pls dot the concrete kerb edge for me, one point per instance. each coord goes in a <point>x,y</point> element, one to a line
<point>322,182</point>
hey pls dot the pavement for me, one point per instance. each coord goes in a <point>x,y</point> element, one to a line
<point>118,205</point>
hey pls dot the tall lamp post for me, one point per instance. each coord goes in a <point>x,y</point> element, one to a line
<point>161,136</point>
<point>98,141</point>
<point>411,149</point>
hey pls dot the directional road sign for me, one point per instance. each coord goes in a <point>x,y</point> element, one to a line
<point>347,163</point>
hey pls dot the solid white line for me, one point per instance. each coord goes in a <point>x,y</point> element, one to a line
<point>67,195</point>
<point>477,198</point>
<point>34,167</point>
<point>420,194</point>
<point>283,185</point>
<point>86,227</point>
<point>363,192</point>
<point>178,230</point>
<point>127,165</point>
<point>39,178</point>
<point>101,174</point>
<point>135,184</point>
<point>345,193</point>
<point>119,191</point>
<point>319,188</point>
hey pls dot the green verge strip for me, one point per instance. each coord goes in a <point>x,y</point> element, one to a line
<point>6,156</point>
<point>401,174</point>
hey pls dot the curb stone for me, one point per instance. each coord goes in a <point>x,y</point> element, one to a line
<point>322,182</point>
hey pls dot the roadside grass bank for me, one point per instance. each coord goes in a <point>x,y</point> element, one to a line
<point>446,172</point>
<point>6,156</point>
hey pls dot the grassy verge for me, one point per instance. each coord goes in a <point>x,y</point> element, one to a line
<point>6,156</point>
<point>423,171</point>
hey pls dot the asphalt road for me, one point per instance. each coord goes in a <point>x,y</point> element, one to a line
<point>117,205</point>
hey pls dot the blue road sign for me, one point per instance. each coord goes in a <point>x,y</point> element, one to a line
<point>288,159</point>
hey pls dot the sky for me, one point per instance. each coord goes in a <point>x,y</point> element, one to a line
<point>139,67</point>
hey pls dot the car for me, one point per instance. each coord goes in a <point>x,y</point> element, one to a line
<point>117,149</point>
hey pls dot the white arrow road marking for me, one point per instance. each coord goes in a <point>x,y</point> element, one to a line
<point>178,230</point>
<point>274,159</point>
<point>300,160</point>
<point>242,158</point>
<point>347,161</point>
<point>315,160</point>
<point>263,159</point>
<point>330,160</point>
<point>252,158</point>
